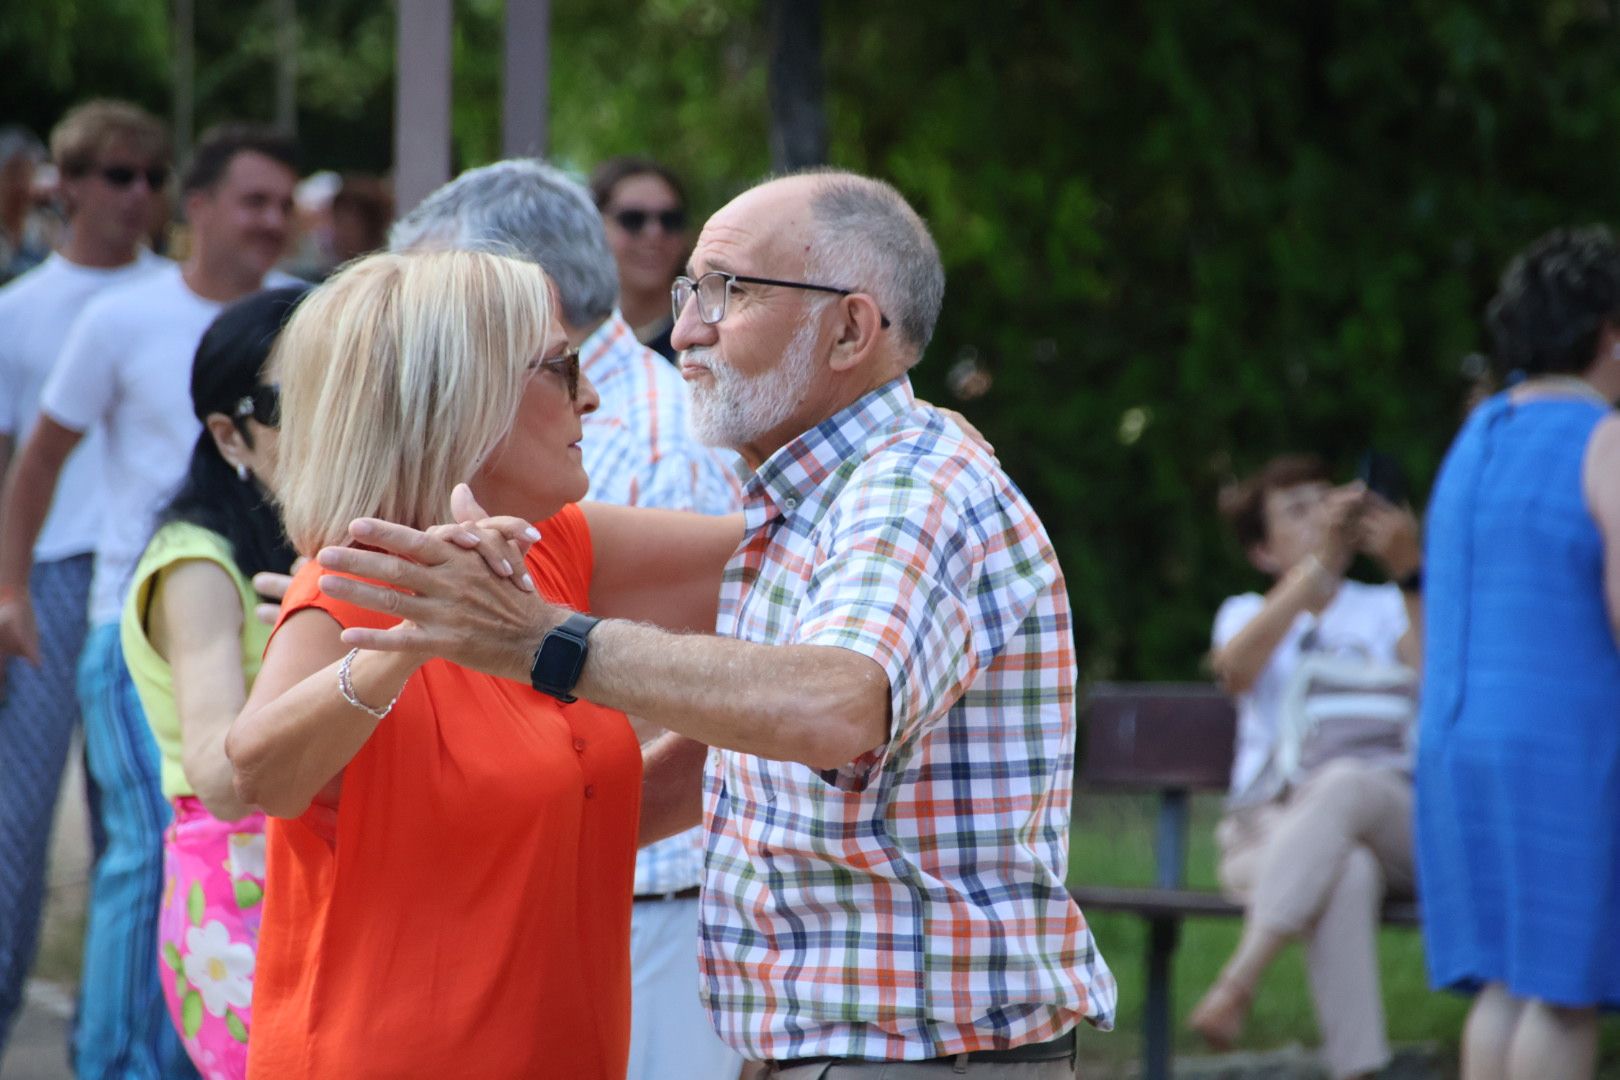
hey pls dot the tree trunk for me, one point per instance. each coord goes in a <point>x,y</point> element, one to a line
<point>526,111</point>
<point>798,113</point>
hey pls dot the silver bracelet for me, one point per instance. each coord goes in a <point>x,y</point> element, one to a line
<point>346,688</point>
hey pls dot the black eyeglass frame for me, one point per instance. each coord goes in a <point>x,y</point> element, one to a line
<point>263,405</point>
<point>747,279</point>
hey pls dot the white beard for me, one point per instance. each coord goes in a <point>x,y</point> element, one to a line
<point>738,409</point>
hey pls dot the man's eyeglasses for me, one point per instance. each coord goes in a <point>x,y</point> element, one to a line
<point>565,367</point>
<point>633,221</point>
<point>263,404</point>
<point>714,288</point>
<point>122,176</point>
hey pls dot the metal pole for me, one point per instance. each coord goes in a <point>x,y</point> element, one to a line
<point>184,87</point>
<point>421,101</point>
<point>287,66</point>
<point>526,99</point>
<point>798,113</point>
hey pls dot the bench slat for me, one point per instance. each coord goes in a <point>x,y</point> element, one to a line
<point>1149,737</point>
<point>1152,903</point>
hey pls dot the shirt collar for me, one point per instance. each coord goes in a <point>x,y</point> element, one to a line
<point>805,476</point>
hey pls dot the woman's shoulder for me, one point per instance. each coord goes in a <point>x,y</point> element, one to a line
<point>175,541</point>
<point>305,593</point>
<point>561,562</point>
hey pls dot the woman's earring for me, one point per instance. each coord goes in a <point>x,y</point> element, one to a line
<point>242,472</point>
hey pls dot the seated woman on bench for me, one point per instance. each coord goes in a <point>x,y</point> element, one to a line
<point>1318,827</point>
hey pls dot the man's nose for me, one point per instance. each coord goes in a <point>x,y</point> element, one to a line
<point>689,330</point>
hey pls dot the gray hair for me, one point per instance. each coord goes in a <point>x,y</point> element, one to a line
<point>868,238</point>
<point>16,140</point>
<point>531,210</point>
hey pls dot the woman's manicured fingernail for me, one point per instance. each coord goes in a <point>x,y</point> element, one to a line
<point>527,582</point>
<point>506,568</point>
<point>532,534</point>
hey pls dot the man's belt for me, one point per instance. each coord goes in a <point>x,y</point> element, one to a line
<point>679,894</point>
<point>1061,1048</point>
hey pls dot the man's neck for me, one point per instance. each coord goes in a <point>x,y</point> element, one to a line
<point>644,309</point>
<point>212,282</point>
<point>80,250</point>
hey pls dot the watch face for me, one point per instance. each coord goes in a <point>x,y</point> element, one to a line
<point>558,663</point>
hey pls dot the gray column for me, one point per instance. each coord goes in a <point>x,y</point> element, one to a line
<point>526,100</point>
<point>421,101</point>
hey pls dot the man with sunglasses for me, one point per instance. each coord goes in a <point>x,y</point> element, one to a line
<point>104,152</point>
<point>643,205</point>
<point>123,377</point>
<point>890,696</point>
<point>638,451</point>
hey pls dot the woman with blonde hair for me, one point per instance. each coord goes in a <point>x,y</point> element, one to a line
<point>450,854</point>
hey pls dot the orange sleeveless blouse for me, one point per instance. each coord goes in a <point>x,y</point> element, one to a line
<point>467,910</point>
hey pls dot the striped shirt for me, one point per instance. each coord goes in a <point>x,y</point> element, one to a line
<point>912,903</point>
<point>639,451</point>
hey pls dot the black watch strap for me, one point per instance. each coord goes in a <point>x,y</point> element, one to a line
<point>1413,582</point>
<point>561,657</point>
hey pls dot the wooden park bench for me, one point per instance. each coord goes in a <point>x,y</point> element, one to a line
<point>1173,739</point>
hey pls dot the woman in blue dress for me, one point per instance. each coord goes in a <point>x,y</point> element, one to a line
<point>1518,778</point>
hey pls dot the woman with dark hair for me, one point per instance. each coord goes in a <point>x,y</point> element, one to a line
<point>643,207</point>
<point>1518,776</point>
<point>193,645</point>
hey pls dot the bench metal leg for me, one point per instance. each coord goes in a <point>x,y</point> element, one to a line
<point>1157,1037</point>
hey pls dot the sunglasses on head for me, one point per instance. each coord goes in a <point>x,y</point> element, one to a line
<point>633,221</point>
<point>122,176</point>
<point>263,404</point>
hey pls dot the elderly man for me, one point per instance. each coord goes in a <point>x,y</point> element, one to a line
<point>891,693</point>
<point>638,452</point>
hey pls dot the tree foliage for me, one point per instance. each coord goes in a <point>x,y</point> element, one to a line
<point>1180,237</point>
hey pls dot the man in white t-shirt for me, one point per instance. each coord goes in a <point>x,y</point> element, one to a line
<point>125,372</point>
<point>112,158</point>
<point>1318,826</point>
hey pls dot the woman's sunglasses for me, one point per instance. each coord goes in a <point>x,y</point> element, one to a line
<point>633,221</point>
<point>565,366</point>
<point>263,404</point>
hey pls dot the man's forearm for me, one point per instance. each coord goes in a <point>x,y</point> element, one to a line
<point>814,704</point>
<point>23,509</point>
<point>671,787</point>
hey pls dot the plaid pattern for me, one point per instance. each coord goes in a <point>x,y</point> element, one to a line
<point>911,904</point>
<point>639,451</point>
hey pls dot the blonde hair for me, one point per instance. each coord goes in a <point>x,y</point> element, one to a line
<point>85,131</point>
<point>398,376</point>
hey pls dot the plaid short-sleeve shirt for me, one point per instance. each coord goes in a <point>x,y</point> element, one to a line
<point>912,903</point>
<point>639,451</point>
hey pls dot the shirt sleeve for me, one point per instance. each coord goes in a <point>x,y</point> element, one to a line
<point>895,586</point>
<point>1236,613</point>
<point>83,384</point>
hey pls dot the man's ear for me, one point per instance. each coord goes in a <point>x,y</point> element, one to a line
<point>860,330</point>
<point>1261,559</point>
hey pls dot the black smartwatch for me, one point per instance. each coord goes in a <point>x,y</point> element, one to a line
<point>1413,582</point>
<point>561,657</point>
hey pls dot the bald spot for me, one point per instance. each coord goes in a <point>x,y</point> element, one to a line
<point>765,231</point>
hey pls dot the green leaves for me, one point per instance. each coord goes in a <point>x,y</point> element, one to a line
<point>234,1025</point>
<point>191,1013</point>
<point>171,957</point>
<point>248,893</point>
<point>196,904</point>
